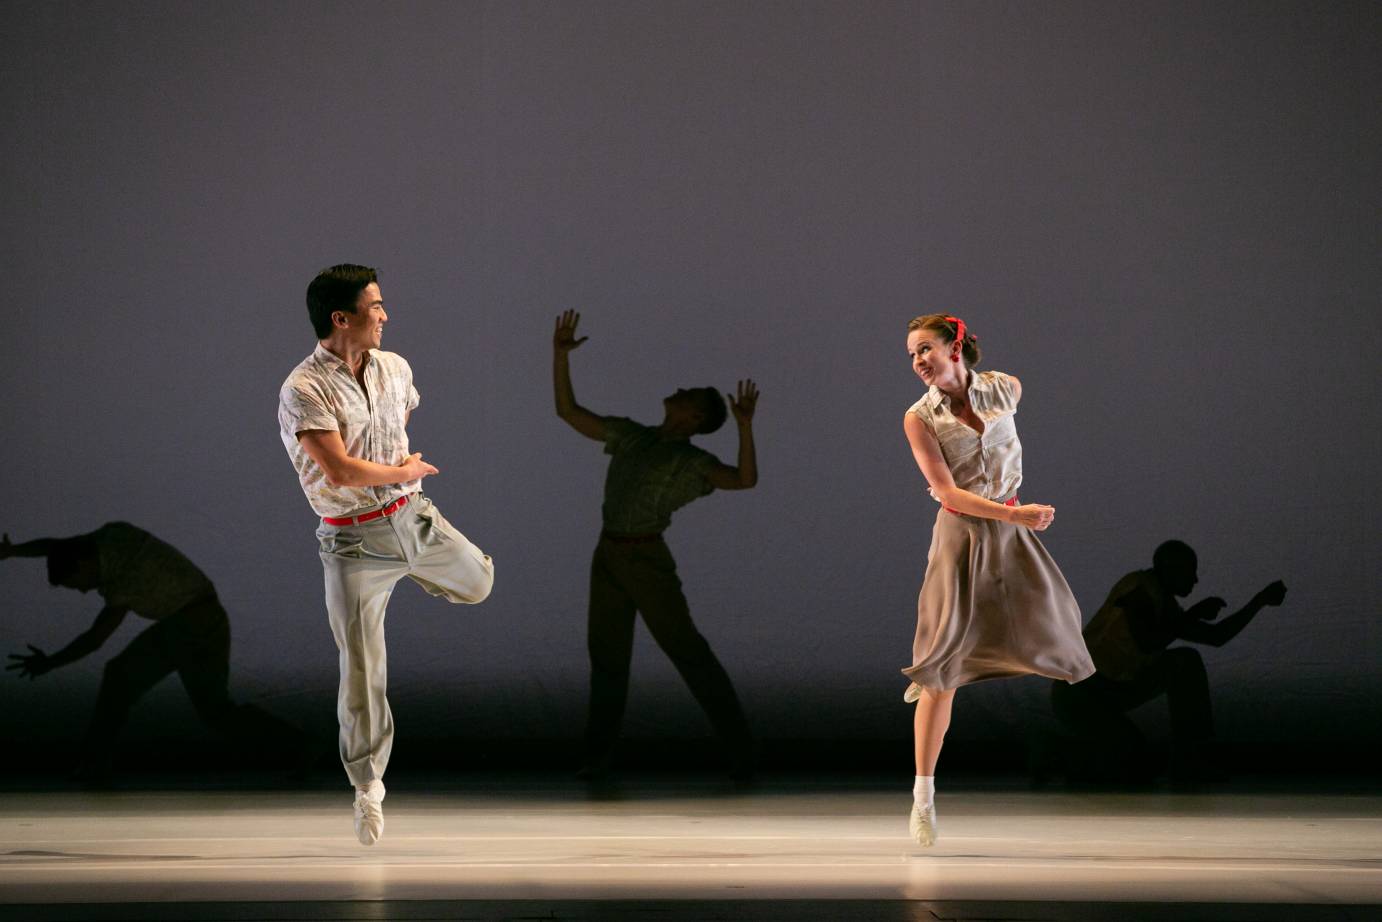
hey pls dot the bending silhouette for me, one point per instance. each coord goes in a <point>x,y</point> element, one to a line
<point>135,572</point>
<point>653,471</point>
<point>1130,640</point>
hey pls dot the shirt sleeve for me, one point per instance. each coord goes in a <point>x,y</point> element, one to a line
<point>922,411</point>
<point>300,409</point>
<point>703,464</point>
<point>617,430</point>
<point>1005,395</point>
<point>411,398</point>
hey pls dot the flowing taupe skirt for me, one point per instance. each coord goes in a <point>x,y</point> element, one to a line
<point>993,604</point>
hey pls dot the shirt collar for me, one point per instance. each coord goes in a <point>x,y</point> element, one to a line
<point>935,396</point>
<point>329,359</point>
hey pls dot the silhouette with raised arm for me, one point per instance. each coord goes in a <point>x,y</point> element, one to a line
<point>653,471</point>
<point>1130,640</point>
<point>135,572</point>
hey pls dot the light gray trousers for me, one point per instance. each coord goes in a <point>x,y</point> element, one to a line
<point>362,563</point>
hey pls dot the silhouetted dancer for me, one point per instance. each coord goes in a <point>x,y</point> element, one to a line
<point>653,471</point>
<point>993,603</point>
<point>342,415</point>
<point>135,572</point>
<point>1130,639</point>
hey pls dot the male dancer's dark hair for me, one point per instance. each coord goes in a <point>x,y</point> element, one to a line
<point>66,556</point>
<point>713,405</point>
<point>1172,555</point>
<point>336,289</point>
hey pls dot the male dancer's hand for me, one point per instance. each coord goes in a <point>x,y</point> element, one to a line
<point>32,664</point>
<point>564,339</point>
<point>1271,594</point>
<point>742,406</point>
<point>415,468</point>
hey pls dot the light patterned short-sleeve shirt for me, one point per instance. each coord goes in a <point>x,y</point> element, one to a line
<point>649,477</point>
<point>988,465</point>
<point>321,393</point>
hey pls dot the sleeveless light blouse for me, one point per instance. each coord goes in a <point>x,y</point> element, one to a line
<point>989,465</point>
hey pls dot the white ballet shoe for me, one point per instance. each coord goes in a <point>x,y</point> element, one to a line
<point>369,813</point>
<point>922,824</point>
<point>913,693</point>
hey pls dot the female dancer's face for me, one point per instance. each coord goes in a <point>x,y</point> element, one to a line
<point>931,359</point>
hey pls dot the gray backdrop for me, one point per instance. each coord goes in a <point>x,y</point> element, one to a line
<point>1162,217</point>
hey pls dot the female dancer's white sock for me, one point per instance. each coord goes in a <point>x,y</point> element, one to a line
<point>924,790</point>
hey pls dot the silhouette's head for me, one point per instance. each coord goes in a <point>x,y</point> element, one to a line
<point>341,290</point>
<point>74,563</point>
<point>1176,567</point>
<point>938,356</point>
<point>699,409</point>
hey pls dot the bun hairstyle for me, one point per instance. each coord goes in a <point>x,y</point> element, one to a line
<point>948,327</point>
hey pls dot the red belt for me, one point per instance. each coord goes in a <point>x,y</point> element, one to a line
<point>1011,502</point>
<point>379,513</point>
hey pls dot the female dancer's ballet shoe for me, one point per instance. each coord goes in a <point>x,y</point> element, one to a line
<point>922,825</point>
<point>913,693</point>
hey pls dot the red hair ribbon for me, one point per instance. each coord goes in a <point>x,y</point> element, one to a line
<point>959,328</point>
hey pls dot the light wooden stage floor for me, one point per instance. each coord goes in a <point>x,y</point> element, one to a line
<point>694,850</point>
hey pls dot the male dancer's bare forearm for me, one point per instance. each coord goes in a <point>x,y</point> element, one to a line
<point>588,424</point>
<point>90,640</point>
<point>561,383</point>
<point>748,457</point>
<point>344,470</point>
<point>1222,631</point>
<point>357,472</point>
<point>39,547</point>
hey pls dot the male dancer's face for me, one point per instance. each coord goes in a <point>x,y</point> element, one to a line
<point>365,327</point>
<point>684,406</point>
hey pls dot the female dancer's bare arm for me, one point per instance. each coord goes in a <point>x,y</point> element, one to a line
<point>927,452</point>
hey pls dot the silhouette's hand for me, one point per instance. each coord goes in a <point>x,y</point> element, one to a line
<point>1271,594</point>
<point>33,664</point>
<point>743,406</point>
<point>415,468</point>
<point>564,339</point>
<point>1207,609</point>
<point>1034,516</point>
<point>6,548</point>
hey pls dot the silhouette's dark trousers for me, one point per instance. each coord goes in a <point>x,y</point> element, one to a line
<point>1096,709</point>
<point>195,643</point>
<point>639,576</point>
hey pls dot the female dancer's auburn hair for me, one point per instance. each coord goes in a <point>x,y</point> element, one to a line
<point>947,329</point>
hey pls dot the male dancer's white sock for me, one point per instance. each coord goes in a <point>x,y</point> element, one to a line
<point>924,790</point>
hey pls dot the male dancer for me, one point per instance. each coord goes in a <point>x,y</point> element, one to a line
<point>133,571</point>
<point>654,470</point>
<point>342,415</point>
<point>1130,640</point>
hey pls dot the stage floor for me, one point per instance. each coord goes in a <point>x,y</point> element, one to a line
<point>684,850</point>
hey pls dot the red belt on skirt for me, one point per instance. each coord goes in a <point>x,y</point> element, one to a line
<point>1011,502</point>
<point>379,513</point>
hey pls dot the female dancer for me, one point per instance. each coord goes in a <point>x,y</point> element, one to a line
<point>993,603</point>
